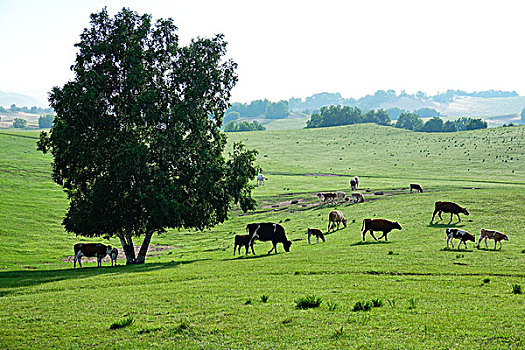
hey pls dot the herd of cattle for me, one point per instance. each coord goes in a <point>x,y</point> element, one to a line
<point>275,233</point>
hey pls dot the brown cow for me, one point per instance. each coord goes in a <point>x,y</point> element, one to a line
<point>492,234</point>
<point>448,207</point>
<point>315,232</point>
<point>90,250</point>
<point>246,241</point>
<point>327,196</point>
<point>114,255</point>
<point>416,187</point>
<point>379,225</point>
<point>358,197</point>
<point>336,216</point>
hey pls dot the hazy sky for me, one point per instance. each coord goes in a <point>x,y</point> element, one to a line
<point>295,48</point>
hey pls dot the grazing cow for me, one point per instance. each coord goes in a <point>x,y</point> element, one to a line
<point>353,184</point>
<point>379,225</point>
<point>315,232</point>
<point>448,207</point>
<point>341,196</point>
<point>113,255</point>
<point>462,235</point>
<point>416,187</point>
<point>246,241</point>
<point>268,231</point>
<point>492,234</point>
<point>90,250</point>
<point>357,197</point>
<point>327,196</point>
<point>336,216</point>
<point>260,179</point>
<point>356,178</point>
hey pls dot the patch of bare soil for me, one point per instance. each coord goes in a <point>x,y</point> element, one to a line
<point>153,249</point>
<point>322,174</point>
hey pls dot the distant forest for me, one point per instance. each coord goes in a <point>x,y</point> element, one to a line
<point>345,115</point>
<point>32,110</point>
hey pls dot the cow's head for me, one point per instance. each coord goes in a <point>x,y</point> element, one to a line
<point>470,237</point>
<point>505,237</point>
<point>464,211</point>
<point>397,225</point>
<point>286,245</point>
<point>108,249</point>
<point>344,222</point>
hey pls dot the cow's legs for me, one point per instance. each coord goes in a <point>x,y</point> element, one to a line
<point>309,237</point>
<point>317,239</point>
<point>274,248</point>
<point>364,233</point>
<point>234,249</point>
<point>372,233</point>
<point>78,257</point>
<point>458,217</point>
<point>433,215</point>
<point>451,214</point>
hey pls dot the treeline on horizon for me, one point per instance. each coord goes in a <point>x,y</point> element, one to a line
<point>33,110</point>
<point>346,115</point>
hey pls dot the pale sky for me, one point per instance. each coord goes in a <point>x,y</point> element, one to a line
<point>295,48</point>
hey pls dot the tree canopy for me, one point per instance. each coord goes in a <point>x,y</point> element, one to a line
<point>136,141</point>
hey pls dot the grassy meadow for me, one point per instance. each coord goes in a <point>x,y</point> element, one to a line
<point>197,295</point>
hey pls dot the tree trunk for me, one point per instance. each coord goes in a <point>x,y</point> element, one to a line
<point>129,249</point>
<point>144,248</point>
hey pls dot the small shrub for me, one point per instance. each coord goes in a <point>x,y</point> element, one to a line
<point>392,302</point>
<point>287,320</point>
<point>486,280</point>
<point>363,306</point>
<point>338,333</point>
<point>331,306</point>
<point>377,302</point>
<point>390,253</point>
<point>264,298</point>
<point>122,323</point>
<point>516,288</point>
<point>248,302</point>
<point>310,301</point>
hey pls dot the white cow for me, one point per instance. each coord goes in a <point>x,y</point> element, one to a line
<point>260,179</point>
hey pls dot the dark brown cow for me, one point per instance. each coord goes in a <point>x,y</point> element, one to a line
<point>90,250</point>
<point>379,225</point>
<point>244,241</point>
<point>448,207</point>
<point>114,255</point>
<point>416,187</point>
<point>315,232</point>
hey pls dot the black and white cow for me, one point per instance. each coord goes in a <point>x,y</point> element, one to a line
<point>462,235</point>
<point>90,250</point>
<point>267,231</point>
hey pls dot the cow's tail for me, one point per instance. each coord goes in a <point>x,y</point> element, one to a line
<point>362,227</point>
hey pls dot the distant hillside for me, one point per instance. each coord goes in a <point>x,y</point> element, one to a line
<point>9,98</point>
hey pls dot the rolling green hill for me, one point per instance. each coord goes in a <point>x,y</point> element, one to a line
<point>197,295</point>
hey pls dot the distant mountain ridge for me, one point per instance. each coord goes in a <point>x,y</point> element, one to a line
<point>9,98</point>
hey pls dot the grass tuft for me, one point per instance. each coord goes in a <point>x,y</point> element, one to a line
<point>363,306</point>
<point>264,298</point>
<point>331,306</point>
<point>308,302</point>
<point>516,288</point>
<point>125,322</point>
<point>412,303</point>
<point>338,333</point>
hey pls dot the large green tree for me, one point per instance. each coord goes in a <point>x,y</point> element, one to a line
<point>136,140</point>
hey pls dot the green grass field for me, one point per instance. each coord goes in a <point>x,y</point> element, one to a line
<point>197,295</point>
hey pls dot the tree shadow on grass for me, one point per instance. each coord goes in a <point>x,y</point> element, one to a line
<point>369,242</point>
<point>25,278</point>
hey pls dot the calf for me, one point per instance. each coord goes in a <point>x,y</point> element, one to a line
<point>448,207</point>
<point>315,232</point>
<point>90,250</point>
<point>379,225</point>
<point>244,240</point>
<point>327,196</point>
<point>341,196</point>
<point>416,187</point>
<point>268,231</point>
<point>357,197</point>
<point>336,216</point>
<point>260,179</point>
<point>353,184</point>
<point>462,235</point>
<point>113,255</point>
<point>492,234</point>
